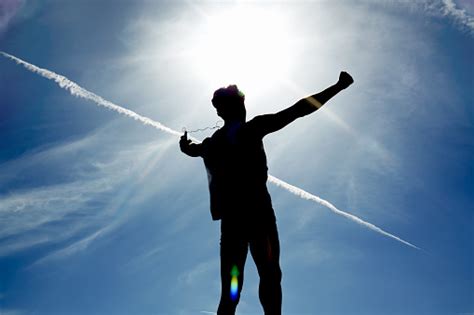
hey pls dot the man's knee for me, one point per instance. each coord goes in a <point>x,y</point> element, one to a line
<point>271,274</point>
<point>227,305</point>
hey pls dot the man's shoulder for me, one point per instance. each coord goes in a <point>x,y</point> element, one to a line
<point>215,135</point>
<point>251,128</point>
<point>212,138</point>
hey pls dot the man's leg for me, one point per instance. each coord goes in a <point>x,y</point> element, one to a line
<point>265,250</point>
<point>233,254</point>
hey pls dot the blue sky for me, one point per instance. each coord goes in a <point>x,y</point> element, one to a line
<point>102,215</point>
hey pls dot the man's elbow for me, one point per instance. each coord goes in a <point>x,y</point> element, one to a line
<point>190,152</point>
<point>307,106</point>
<point>194,154</point>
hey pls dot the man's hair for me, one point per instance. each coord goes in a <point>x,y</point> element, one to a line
<point>228,96</point>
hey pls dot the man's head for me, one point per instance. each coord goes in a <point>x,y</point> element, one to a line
<point>230,103</point>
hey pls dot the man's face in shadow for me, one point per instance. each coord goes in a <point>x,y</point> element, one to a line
<point>232,112</point>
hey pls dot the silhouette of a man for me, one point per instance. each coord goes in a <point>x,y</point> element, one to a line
<point>237,172</point>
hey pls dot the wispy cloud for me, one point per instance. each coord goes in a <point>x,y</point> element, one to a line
<point>446,8</point>
<point>28,210</point>
<point>79,206</point>
<point>45,214</point>
<point>199,272</point>
<point>459,15</point>
<point>8,10</point>
<point>136,263</point>
<point>71,249</point>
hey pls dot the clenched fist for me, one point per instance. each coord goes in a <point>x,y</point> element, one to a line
<point>345,80</point>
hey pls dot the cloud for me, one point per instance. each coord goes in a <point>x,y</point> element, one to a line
<point>460,16</point>
<point>8,10</point>
<point>459,12</point>
<point>71,249</point>
<point>39,206</point>
<point>149,257</point>
<point>81,202</point>
<point>199,273</point>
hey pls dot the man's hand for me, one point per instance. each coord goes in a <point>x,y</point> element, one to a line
<point>184,142</point>
<point>188,147</point>
<point>345,80</point>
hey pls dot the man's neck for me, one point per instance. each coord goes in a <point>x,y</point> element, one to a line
<point>229,123</point>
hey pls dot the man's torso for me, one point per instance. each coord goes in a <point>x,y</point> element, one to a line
<point>237,171</point>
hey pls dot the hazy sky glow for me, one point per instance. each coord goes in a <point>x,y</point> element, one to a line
<point>101,215</point>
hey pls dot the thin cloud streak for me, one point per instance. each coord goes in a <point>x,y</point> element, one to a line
<point>63,199</point>
<point>71,249</point>
<point>60,212</point>
<point>78,91</point>
<point>31,218</point>
<point>308,196</point>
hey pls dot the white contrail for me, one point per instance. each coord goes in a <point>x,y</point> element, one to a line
<point>308,196</point>
<point>79,91</point>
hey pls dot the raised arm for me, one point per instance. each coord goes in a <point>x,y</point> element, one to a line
<point>188,147</point>
<point>269,123</point>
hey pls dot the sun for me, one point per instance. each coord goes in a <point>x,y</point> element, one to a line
<point>245,45</point>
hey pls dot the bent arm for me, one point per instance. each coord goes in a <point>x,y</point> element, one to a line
<point>269,123</point>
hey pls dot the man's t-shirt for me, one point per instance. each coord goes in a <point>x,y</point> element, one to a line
<point>237,172</point>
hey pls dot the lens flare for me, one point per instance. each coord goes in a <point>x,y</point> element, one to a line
<point>234,283</point>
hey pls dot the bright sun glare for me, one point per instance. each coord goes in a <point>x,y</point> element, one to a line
<point>244,45</point>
